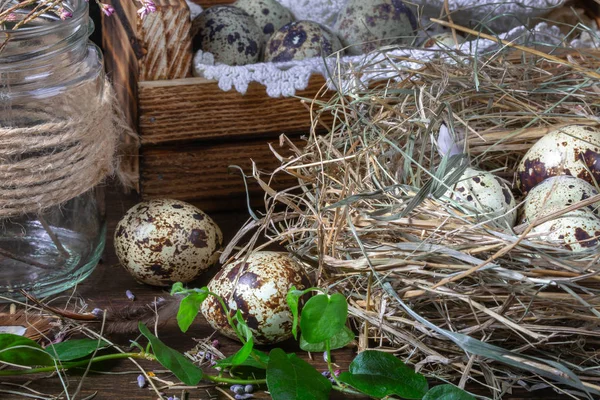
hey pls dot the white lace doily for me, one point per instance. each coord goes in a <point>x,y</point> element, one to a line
<point>284,79</point>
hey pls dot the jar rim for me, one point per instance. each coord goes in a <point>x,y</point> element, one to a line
<point>78,9</point>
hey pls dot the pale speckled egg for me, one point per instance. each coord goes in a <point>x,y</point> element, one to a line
<point>443,40</point>
<point>485,192</point>
<point>557,193</point>
<point>164,241</point>
<point>269,15</point>
<point>300,40</point>
<point>574,232</point>
<point>365,25</point>
<point>257,288</point>
<point>230,34</point>
<point>571,150</point>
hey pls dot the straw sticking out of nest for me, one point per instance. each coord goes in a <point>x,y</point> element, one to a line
<point>454,292</point>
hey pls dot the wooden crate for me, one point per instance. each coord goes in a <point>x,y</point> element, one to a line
<point>190,130</point>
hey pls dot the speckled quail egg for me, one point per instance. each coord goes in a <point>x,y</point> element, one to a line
<point>257,288</point>
<point>571,150</point>
<point>230,34</point>
<point>300,40</point>
<point>365,25</point>
<point>269,15</point>
<point>574,232</point>
<point>485,192</point>
<point>557,193</point>
<point>164,241</point>
<point>445,39</point>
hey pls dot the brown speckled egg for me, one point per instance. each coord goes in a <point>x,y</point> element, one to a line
<point>571,150</point>
<point>269,15</point>
<point>257,288</point>
<point>300,40</point>
<point>165,241</point>
<point>365,25</point>
<point>230,34</point>
<point>487,193</point>
<point>574,232</point>
<point>557,193</point>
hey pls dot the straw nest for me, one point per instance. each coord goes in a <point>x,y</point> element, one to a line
<point>460,297</point>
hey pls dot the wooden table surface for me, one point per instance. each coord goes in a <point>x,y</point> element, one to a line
<point>106,288</point>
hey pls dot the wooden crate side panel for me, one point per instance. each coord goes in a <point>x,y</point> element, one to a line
<point>200,174</point>
<point>196,108</point>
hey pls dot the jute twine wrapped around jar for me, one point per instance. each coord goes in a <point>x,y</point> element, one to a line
<point>45,165</point>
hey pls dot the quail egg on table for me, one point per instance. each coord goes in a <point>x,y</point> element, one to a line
<point>485,192</point>
<point>365,25</point>
<point>164,241</point>
<point>572,150</point>
<point>269,15</point>
<point>557,193</point>
<point>300,40</point>
<point>258,288</point>
<point>230,35</point>
<point>574,232</point>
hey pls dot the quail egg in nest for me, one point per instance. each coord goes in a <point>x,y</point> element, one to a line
<point>164,241</point>
<point>557,193</point>
<point>485,192</point>
<point>269,15</point>
<point>575,232</point>
<point>365,25</point>
<point>443,40</point>
<point>572,150</point>
<point>229,34</point>
<point>300,40</point>
<point>258,288</point>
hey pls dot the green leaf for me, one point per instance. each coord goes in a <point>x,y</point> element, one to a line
<point>447,392</point>
<point>20,350</point>
<point>171,359</point>
<point>243,353</point>
<point>379,374</point>
<point>177,287</point>
<point>291,378</point>
<point>250,362</point>
<point>323,316</point>
<point>341,339</point>
<point>293,300</point>
<point>75,349</point>
<point>189,308</point>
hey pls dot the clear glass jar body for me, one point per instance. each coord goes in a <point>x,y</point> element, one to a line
<point>49,71</point>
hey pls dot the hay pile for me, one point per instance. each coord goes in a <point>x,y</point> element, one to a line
<point>460,297</point>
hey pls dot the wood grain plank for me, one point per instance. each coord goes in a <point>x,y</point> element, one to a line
<point>200,173</point>
<point>197,108</point>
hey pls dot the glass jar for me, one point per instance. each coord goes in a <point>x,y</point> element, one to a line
<point>49,74</point>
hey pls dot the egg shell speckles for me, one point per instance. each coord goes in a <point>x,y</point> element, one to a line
<point>269,15</point>
<point>566,151</point>
<point>557,193</point>
<point>486,193</point>
<point>230,34</point>
<point>300,40</point>
<point>365,25</point>
<point>258,289</point>
<point>165,241</point>
<point>574,232</point>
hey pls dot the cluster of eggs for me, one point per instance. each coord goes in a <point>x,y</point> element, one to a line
<point>164,241</point>
<point>250,31</point>
<point>558,171</point>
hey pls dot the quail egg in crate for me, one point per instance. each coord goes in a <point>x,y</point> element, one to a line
<point>572,150</point>
<point>164,241</point>
<point>365,25</point>
<point>229,34</point>
<point>575,232</point>
<point>557,193</point>
<point>258,288</point>
<point>269,15</point>
<point>443,40</point>
<point>486,193</point>
<point>300,40</point>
